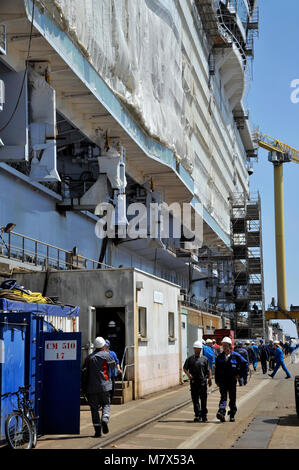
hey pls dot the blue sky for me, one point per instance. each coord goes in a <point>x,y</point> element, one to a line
<point>275,66</point>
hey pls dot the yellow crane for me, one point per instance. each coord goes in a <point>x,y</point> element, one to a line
<point>280,153</point>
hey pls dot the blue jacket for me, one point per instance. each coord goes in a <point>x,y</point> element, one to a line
<point>115,358</point>
<point>227,370</point>
<point>278,357</point>
<point>243,352</point>
<point>256,350</point>
<point>209,354</point>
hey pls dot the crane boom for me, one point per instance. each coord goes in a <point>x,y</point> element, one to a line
<point>275,145</point>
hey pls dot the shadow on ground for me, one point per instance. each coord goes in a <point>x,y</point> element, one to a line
<point>289,420</point>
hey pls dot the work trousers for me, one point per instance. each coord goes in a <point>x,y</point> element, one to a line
<point>97,401</point>
<point>228,388</point>
<point>243,379</point>
<point>283,366</point>
<point>199,392</point>
<point>271,363</point>
<point>264,365</point>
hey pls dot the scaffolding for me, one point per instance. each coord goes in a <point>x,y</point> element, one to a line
<point>235,279</point>
<point>248,278</point>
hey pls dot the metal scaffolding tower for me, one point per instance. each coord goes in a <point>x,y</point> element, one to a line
<point>248,278</point>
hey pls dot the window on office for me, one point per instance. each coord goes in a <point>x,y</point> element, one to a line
<point>171,332</point>
<point>142,327</point>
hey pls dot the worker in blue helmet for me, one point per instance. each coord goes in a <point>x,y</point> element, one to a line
<point>243,352</point>
<point>117,370</point>
<point>264,355</point>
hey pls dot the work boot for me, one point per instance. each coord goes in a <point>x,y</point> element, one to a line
<point>196,419</point>
<point>105,427</point>
<point>220,415</point>
<point>98,432</point>
<point>288,377</point>
<point>270,375</point>
<point>204,419</point>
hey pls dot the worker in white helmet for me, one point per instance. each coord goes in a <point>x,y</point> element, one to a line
<point>98,367</point>
<point>197,369</point>
<point>229,367</point>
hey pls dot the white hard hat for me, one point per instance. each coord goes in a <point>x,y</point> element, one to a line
<point>276,342</point>
<point>203,341</point>
<point>226,339</point>
<point>99,342</point>
<point>209,340</point>
<point>197,344</point>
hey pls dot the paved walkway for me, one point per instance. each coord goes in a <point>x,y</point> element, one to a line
<point>135,412</point>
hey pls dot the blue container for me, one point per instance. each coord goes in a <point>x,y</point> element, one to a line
<point>12,361</point>
<point>22,330</point>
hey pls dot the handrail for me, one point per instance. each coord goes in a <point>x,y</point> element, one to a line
<point>198,303</point>
<point>45,257</point>
<point>127,365</point>
<point>124,354</point>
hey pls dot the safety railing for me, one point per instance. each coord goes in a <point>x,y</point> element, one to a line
<point>29,250</point>
<point>124,369</point>
<point>198,304</point>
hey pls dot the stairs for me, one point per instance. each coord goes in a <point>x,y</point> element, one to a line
<point>123,392</point>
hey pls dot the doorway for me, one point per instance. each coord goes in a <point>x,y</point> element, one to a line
<point>110,324</point>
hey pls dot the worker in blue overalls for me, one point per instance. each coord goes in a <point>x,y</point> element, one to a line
<point>229,367</point>
<point>256,352</point>
<point>117,370</point>
<point>243,352</point>
<point>209,353</point>
<point>278,358</point>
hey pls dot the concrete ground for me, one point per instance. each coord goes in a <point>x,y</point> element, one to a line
<point>266,418</point>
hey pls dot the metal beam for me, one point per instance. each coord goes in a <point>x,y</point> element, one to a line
<point>277,315</point>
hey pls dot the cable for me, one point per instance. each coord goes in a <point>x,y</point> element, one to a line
<point>25,72</point>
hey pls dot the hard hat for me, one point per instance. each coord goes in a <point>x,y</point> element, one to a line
<point>261,340</point>
<point>240,342</point>
<point>247,342</point>
<point>276,342</point>
<point>209,340</point>
<point>99,342</point>
<point>203,341</point>
<point>197,344</point>
<point>252,342</point>
<point>226,339</point>
<point>107,342</point>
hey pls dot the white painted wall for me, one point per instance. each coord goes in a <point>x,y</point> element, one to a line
<point>159,359</point>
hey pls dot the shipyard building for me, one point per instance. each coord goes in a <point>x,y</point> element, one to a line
<point>122,103</point>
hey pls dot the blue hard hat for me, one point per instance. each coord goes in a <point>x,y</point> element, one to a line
<point>261,340</point>
<point>240,342</point>
<point>107,342</point>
